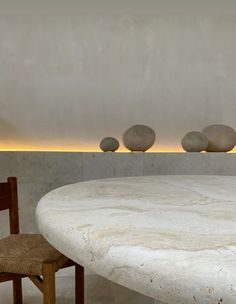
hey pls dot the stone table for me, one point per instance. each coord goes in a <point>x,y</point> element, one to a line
<point>172,238</point>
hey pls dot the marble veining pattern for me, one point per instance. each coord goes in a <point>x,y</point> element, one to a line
<point>172,238</point>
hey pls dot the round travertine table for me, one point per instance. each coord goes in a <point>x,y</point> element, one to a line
<point>172,238</point>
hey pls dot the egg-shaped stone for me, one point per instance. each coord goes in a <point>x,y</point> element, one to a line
<point>109,144</point>
<point>139,138</point>
<point>194,142</point>
<point>221,138</point>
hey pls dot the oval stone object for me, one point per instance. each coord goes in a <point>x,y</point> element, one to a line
<point>109,144</point>
<point>139,138</point>
<point>194,142</point>
<point>221,138</point>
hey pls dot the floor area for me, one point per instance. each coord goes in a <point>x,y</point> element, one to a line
<point>31,295</point>
<point>98,291</point>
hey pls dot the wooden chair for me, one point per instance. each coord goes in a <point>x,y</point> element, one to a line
<point>30,255</point>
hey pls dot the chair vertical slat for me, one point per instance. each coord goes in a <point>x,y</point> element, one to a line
<point>4,203</point>
<point>13,212</point>
<point>5,196</point>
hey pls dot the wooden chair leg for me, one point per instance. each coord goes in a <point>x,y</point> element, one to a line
<point>49,292</point>
<point>17,291</point>
<point>79,284</point>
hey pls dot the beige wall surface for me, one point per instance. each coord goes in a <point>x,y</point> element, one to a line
<point>69,77</point>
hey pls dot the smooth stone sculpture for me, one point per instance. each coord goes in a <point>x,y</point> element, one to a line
<point>139,138</point>
<point>221,138</point>
<point>109,144</point>
<point>194,142</point>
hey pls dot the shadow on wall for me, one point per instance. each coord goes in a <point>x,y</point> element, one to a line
<point>9,134</point>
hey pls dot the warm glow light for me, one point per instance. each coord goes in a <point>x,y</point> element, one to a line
<point>88,148</point>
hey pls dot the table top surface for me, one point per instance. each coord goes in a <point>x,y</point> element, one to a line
<point>172,238</point>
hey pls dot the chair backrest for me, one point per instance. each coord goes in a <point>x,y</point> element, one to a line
<point>9,200</point>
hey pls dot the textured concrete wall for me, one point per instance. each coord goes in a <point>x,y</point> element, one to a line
<point>70,76</point>
<point>38,173</point>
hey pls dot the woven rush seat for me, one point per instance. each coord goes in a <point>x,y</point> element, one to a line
<point>26,253</point>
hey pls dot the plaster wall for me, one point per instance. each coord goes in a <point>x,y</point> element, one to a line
<point>41,172</point>
<point>72,74</point>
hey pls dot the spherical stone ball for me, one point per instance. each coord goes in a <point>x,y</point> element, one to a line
<point>109,144</point>
<point>139,138</point>
<point>194,142</point>
<point>221,138</point>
